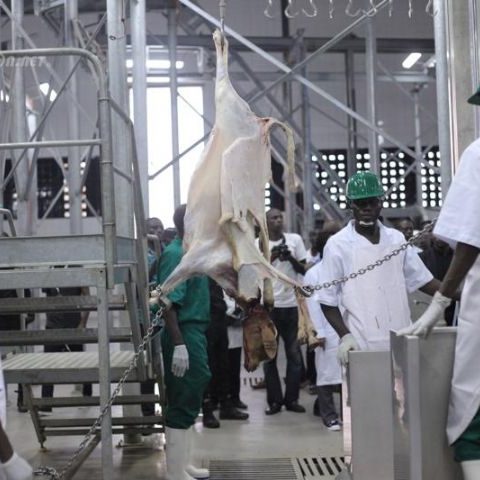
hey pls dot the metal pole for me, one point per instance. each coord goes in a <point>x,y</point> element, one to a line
<point>139,56</point>
<point>117,82</point>
<point>352,146</point>
<point>74,154</point>
<point>19,119</point>
<point>443,101</point>
<point>172,46</point>
<point>307,154</point>
<point>418,143</point>
<point>371,66</point>
<point>474,15</point>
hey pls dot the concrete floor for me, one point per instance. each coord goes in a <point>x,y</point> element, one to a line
<point>284,435</point>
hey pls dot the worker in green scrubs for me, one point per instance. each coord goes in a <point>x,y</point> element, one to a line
<point>184,350</point>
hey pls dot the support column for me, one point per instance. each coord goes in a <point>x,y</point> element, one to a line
<point>25,217</point>
<point>74,154</point>
<point>307,153</point>
<point>418,143</point>
<point>445,132</point>
<point>117,81</point>
<point>172,48</point>
<point>352,145</point>
<point>139,55</point>
<point>371,66</point>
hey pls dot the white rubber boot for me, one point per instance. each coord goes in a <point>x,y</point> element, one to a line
<point>471,470</point>
<point>16,468</point>
<point>176,453</point>
<point>198,473</point>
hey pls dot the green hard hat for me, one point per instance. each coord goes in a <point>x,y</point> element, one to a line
<point>475,98</point>
<point>364,185</point>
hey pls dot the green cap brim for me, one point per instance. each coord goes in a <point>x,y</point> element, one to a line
<point>475,98</point>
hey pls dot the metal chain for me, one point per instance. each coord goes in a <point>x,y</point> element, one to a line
<point>309,289</point>
<point>51,472</point>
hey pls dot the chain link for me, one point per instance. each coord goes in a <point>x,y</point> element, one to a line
<point>51,472</point>
<point>309,289</point>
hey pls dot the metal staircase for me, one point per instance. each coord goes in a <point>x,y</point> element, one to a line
<point>106,263</point>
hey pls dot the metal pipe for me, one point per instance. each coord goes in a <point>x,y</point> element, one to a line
<point>352,145</point>
<point>371,69</point>
<point>74,176</point>
<point>307,155</point>
<point>19,119</point>
<point>139,87</point>
<point>172,50</point>
<point>443,103</point>
<point>49,143</point>
<point>117,82</point>
<point>418,143</point>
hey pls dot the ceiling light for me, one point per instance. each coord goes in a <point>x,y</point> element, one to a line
<point>411,60</point>
<point>157,64</point>
<point>45,87</point>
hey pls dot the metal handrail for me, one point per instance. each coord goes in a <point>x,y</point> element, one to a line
<point>105,143</point>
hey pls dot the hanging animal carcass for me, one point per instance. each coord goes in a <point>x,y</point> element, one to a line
<point>226,200</point>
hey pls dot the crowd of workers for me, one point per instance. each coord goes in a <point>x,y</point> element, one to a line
<point>202,339</point>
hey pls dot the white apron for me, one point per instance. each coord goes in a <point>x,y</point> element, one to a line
<point>376,302</point>
<point>465,394</point>
<point>328,367</point>
<point>3,398</point>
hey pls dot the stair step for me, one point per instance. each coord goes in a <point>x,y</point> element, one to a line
<point>59,304</point>
<point>64,367</point>
<point>127,430</point>
<point>86,422</point>
<point>61,336</point>
<point>57,402</point>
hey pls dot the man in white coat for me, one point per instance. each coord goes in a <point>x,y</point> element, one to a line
<point>329,373</point>
<point>459,225</point>
<point>375,302</point>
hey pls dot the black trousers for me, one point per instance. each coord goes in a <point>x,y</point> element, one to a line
<point>234,368</point>
<point>326,405</point>
<point>217,349</point>
<point>47,389</point>
<point>286,322</point>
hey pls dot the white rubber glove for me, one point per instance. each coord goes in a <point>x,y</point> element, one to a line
<point>347,343</point>
<point>180,360</point>
<point>424,325</point>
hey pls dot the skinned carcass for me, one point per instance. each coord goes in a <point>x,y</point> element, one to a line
<point>226,198</point>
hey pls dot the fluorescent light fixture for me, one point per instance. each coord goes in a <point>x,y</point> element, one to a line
<point>411,60</point>
<point>157,64</point>
<point>152,80</point>
<point>44,87</point>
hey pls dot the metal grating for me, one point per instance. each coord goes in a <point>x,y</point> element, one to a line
<point>251,381</point>
<point>320,467</point>
<point>312,468</point>
<point>266,469</point>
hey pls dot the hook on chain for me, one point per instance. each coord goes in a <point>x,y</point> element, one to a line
<point>390,8</point>
<point>372,11</point>
<point>348,10</point>
<point>269,9</point>
<point>430,9</point>
<point>410,8</point>
<point>313,9</point>
<point>331,8</point>
<point>223,8</point>
<point>289,13</point>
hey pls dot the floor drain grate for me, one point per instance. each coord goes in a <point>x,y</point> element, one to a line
<point>255,469</point>
<point>251,381</point>
<point>320,467</point>
<point>312,468</point>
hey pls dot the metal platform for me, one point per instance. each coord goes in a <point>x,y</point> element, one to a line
<point>69,367</point>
